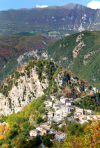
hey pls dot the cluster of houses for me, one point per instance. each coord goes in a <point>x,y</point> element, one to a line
<point>44,128</point>
<point>85,118</point>
<point>61,108</point>
<point>57,110</point>
<point>40,130</point>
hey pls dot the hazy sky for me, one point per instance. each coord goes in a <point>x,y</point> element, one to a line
<point>16,4</point>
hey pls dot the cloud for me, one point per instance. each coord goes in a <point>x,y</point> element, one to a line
<point>94,4</point>
<point>43,6</point>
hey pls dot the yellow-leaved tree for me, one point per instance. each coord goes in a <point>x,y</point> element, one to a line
<point>89,139</point>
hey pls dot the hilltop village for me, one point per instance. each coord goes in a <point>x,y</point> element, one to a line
<point>59,109</point>
<point>42,99</point>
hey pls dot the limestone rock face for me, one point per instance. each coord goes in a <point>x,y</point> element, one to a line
<point>27,89</point>
<point>78,48</point>
<point>23,94</point>
<point>30,82</point>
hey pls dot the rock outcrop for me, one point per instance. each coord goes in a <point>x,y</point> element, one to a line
<point>25,89</point>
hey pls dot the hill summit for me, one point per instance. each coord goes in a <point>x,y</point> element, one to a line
<point>36,78</point>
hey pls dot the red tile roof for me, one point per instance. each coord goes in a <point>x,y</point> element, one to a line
<point>98,116</point>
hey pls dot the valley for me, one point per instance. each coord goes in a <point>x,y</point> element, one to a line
<point>76,53</point>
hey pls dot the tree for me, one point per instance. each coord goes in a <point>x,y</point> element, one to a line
<point>41,110</point>
<point>90,136</point>
<point>25,125</point>
<point>39,120</point>
<point>47,142</point>
<point>17,75</point>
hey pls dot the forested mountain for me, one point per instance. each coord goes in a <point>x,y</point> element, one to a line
<point>78,53</point>
<point>11,47</point>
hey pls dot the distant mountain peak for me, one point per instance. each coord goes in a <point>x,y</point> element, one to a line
<point>73,6</point>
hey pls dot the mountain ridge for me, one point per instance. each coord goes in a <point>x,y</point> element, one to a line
<point>67,6</point>
<point>78,53</point>
<point>12,46</point>
<point>68,18</point>
<point>32,81</point>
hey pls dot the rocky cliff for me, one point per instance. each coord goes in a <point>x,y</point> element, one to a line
<point>25,85</point>
<point>32,81</point>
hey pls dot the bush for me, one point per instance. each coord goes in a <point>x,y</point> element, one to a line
<point>17,75</point>
<point>39,120</point>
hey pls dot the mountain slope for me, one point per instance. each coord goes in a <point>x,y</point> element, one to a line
<point>11,47</point>
<point>62,19</point>
<point>32,81</point>
<point>79,53</point>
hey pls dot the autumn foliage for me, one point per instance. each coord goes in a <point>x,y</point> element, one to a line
<point>89,139</point>
<point>3,131</point>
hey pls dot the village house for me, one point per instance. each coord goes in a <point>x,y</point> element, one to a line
<point>44,132</point>
<point>57,118</point>
<point>60,136</point>
<point>78,111</point>
<point>73,107</point>
<point>69,99</point>
<point>91,117</point>
<point>85,118</point>
<point>82,118</point>
<point>88,111</point>
<point>65,110</point>
<point>48,103</point>
<point>53,97</point>
<point>61,112</point>
<point>57,112</point>
<point>57,102</point>
<point>45,125</point>
<point>63,99</point>
<point>39,128</point>
<point>56,106</point>
<point>53,131</point>
<point>86,89</point>
<point>34,133</point>
<point>68,103</point>
<point>50,115</point>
